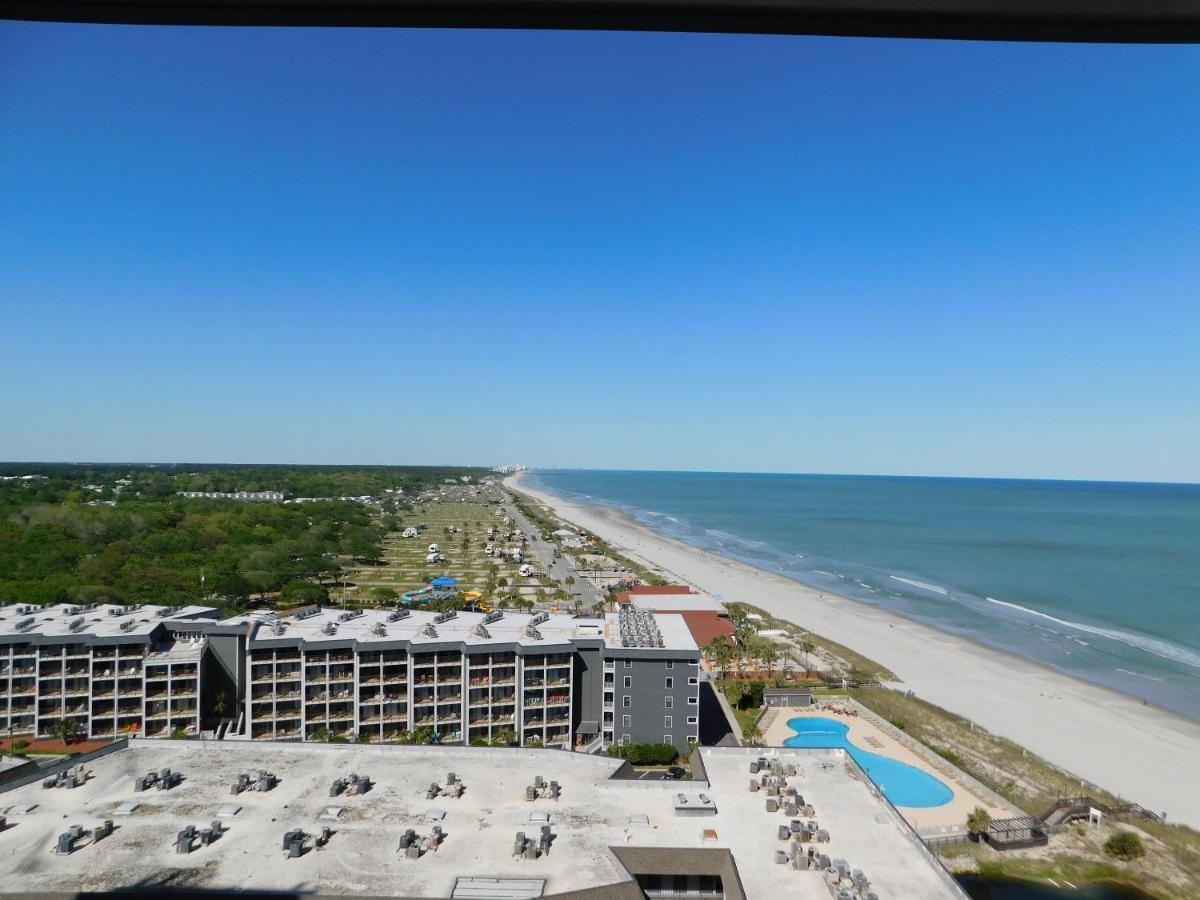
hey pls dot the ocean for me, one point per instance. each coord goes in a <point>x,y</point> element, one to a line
<point>1100,580</point>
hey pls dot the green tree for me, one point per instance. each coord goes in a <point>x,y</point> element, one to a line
<point>299,592</point>
<point>807,647</point>
<point>978,821</point>
<point>66,729</point>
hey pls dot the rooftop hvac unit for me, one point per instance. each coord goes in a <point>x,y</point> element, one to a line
<point>128,624</point>
<point>115,611</point>
<point>77,624</point>
<point>25,624</point>
<point>306,612</point>
<point>480,631</point>
<point>429,631</point>
<point>279,629</point>
<point>531,632</point>
<point>494,616</point>
<point>164,612</point>
<point>350,614</point>
<point>399,614</point>
<point>380,630</point>
<point>330,628</point>
<point>539,618</point>
<point>444,617</point>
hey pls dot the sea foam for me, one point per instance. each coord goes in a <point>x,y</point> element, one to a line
<point>1155,646</point>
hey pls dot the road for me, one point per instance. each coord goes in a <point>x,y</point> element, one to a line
<point>543,552</point>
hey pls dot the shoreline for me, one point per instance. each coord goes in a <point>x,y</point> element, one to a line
<point>1141,752</point>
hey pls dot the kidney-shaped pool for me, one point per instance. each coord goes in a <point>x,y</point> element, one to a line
<point>901,783</point>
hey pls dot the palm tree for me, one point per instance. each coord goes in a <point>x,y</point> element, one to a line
<point>978,821</point>
<point>807,647</point>
<point>65,729</point>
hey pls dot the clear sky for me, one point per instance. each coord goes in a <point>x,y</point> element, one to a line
<point>599,250</point>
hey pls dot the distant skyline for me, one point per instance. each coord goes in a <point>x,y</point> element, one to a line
<point>599,250</point>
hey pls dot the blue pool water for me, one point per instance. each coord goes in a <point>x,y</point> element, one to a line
<point>901,783</point>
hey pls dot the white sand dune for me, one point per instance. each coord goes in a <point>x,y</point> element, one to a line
<point>1141,752</point>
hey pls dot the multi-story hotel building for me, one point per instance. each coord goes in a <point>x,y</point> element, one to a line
<point>111,669</point>
<point>532,678</point>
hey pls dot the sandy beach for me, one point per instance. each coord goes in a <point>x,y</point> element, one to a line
<point>1141,752</point>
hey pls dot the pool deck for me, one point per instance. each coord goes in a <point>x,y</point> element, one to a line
<point>868,736</point>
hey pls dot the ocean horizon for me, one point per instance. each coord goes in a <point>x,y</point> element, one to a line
<point>1097,579</point>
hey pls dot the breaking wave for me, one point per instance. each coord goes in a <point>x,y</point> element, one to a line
<point>1159,648</point>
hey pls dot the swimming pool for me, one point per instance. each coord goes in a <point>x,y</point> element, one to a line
<point>901,783</point>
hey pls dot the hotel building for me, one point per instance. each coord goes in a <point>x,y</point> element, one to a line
<point>317,674</point>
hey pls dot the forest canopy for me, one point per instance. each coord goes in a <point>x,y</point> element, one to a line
<point>122,534</point>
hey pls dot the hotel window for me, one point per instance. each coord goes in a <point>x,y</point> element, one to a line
<point>693,681</point>
<point>667,722</point>
<point>670,663</point>
<point>667,739</point>
<point>668,702</point>
<point>629,663</point>
<point>670,683</point>
<point>628,681</point>
<point>626,721</point>
<point>693,701</point>
<point>626,701</point>
<point>625,739</point>
<point>693,720</point>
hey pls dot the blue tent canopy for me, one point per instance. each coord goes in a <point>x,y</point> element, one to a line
<point>443,581</point>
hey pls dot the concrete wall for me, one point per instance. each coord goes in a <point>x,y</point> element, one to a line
<point>588,688</point>
<point>648,695</point>
<point>223,669</point>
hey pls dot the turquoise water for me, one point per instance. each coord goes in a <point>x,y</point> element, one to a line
<point>901,783</point>
<point>1097,579</point>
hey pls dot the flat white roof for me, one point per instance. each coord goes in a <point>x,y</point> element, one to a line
<point>593,815</point>
<point>557,630</point>
<point>98,620</point>
<point>674,630</point>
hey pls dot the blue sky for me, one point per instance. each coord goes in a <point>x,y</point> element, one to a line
<point>620,251</point>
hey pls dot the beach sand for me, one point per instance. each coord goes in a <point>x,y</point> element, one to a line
<point>1143,753</point>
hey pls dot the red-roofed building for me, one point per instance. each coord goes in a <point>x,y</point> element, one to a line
<point>705,616</point>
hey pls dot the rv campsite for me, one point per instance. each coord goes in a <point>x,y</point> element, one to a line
<point>462,529</point>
